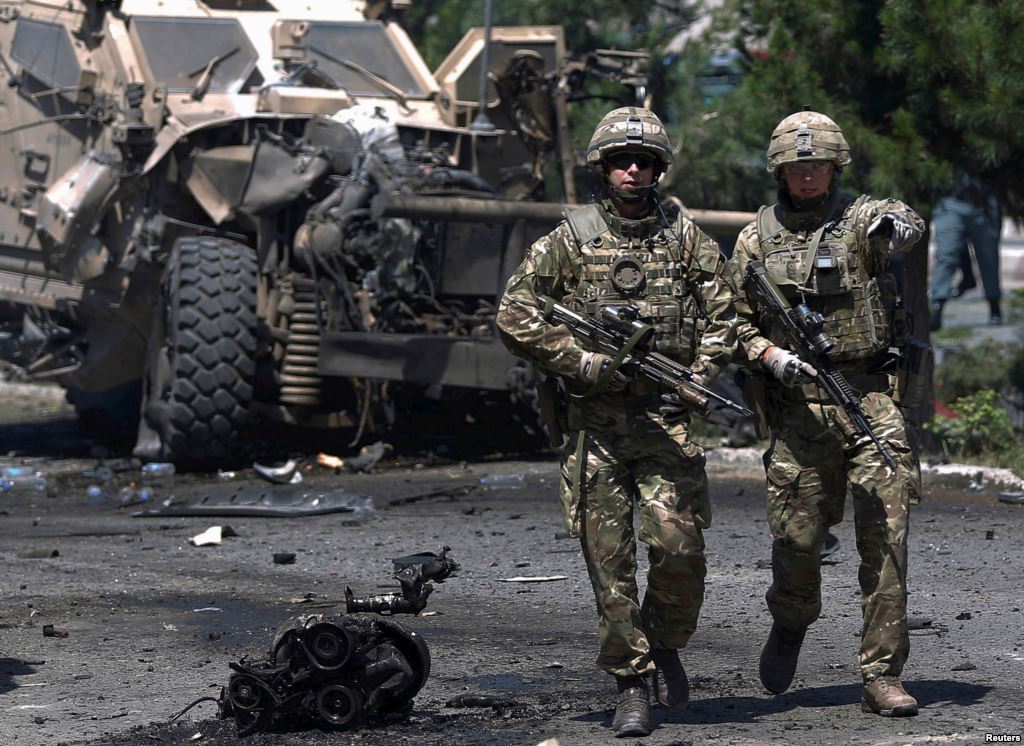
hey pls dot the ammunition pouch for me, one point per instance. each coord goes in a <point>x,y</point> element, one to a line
<point>551,402</point>
<point>912,374</point>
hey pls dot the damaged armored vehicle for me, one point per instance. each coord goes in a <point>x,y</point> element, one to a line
<point>239,212</point>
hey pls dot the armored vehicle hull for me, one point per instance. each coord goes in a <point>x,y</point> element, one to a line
<point>228,216</point>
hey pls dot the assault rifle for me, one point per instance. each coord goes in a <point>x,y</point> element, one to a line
<point>806,337</point>
<point>623,337</point>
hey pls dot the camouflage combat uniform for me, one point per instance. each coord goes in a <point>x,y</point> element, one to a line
<point>620,451</point>
<point>823,257</point>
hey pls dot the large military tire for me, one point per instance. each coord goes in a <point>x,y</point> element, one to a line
<point>198,387</point>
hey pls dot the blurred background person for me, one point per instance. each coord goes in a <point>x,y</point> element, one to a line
<point>968,212</point>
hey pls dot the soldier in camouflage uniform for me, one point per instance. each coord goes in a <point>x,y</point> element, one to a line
<point>628,443</point>
<point>829,250</point>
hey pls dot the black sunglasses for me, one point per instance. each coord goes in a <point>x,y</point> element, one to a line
<point>625,160</point>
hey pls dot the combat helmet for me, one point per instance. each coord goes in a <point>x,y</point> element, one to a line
<point>630,128</point>
<point>807,136</point>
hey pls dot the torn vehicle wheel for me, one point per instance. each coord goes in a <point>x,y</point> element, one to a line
<point>198,385</point>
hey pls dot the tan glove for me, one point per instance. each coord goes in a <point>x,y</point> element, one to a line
<point>592,365</point>
<point>787,367</point>
<point>899,230</point>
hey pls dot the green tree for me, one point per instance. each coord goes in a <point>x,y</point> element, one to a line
<point>920,87</point>
<point>437,25</point>
<point>962,67</point>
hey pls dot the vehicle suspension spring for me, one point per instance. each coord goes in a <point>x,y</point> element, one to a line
<point>300,383</point>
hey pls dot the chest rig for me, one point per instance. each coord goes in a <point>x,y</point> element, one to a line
<point>822,265</point>
<point>641,263</point>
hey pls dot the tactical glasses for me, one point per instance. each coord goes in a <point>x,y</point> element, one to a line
<point>625,160</point>
<point>814,168</point>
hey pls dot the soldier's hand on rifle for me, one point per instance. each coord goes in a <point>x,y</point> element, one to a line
<point>672,409</point>
<point>899,230</point>
<point>593,364</point>
<point>787,367</point>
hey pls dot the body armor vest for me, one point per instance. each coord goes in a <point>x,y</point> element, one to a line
<point>823,268</point>
<point>636,262</point>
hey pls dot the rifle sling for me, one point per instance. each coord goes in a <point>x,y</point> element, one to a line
<point>606,375</point>
<point>579,474</point>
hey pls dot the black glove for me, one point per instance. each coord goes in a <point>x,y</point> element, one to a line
<point>672,409</point>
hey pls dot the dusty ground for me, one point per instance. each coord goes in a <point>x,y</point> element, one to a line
<point>126,589</point>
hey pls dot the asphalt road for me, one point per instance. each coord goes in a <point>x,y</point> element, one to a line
<point>134,597</point>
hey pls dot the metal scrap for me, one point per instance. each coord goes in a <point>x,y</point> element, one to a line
<point>287,473</point>
<point>267,503</point>
<point>452,493</point>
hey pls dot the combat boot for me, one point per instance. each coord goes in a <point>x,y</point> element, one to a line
<point>779,656</point>
<point>633,710</point>
<point>671,688</point>
<point>886,696</point>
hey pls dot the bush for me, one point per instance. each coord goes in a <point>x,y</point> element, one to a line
<point>986,365</point>
<point>980,425</point>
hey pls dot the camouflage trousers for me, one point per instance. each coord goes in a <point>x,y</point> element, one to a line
<point>809,467</point>
<point>621,459</point>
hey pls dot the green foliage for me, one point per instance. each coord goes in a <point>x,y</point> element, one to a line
<point>437,25</point>
<point>962,66</point>
<point>985,365</point>
<point>919,87</point>
<point>1013,304</point>
<point>981,424</point>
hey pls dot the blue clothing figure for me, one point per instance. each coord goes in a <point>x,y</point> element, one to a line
<point>968,212</point>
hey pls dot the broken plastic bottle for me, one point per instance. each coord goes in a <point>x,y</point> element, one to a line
<point>133,495</point>
<point>158,475</point>
<point>96,494</point>
<point>156,470</point>
<point>21,478</point>
<point>362,507</point>
<point>503,480</point>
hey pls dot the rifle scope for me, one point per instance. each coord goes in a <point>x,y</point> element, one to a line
<point>625,320</point>
<point>812,323</point>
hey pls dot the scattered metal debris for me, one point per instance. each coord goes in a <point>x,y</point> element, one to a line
<point>284,558</point>
<point>1011,498</point>
<point>413,572</point>
<point>452,493</point>
<point>965,666</point>
<point>339,672</point>
<point>273,503</point>
<point>511,481</point>
<point>534,579</point>
<point>368,457</point>
<point>287,473</point>
<point>50,631</point>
